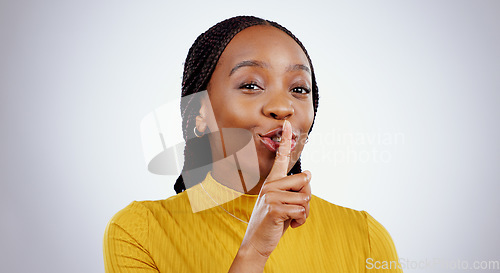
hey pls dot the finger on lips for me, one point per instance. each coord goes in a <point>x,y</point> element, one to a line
<point>280,167</point>
<point>292,192</point>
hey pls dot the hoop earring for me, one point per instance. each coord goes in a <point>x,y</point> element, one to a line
<point>196,134</point>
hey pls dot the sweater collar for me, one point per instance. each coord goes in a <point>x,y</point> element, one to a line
<point>211,194</point>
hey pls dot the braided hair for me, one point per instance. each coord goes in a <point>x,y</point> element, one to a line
<point>200,63</point>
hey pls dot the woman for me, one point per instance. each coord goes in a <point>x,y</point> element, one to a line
<point>249,213</point>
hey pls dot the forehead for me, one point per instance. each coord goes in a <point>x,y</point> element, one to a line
<point>263,43</point>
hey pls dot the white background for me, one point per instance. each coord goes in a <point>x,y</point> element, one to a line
<point>418,82</point>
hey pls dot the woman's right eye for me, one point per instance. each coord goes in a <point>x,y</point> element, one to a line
<point>250,86</point>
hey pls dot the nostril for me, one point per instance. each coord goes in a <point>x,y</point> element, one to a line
<point>278,109</point>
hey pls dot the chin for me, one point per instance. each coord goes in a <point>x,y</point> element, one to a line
<point>264,171</point>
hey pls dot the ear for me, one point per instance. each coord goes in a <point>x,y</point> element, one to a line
<point>202,118</point>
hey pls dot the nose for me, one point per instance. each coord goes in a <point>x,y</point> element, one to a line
<point>278,106</point>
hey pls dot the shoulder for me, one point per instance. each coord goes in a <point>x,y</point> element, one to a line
<point>325,208</point>
<point>349,220</point>
<point>382,246</point>
<point>136,209</point>
<point>135,214</point>
<point>338,223</point>
<point>174,204</point>
<point>357,225</point>
<point>138,215</point>
<point>133,231</point>
<point>329,210</point>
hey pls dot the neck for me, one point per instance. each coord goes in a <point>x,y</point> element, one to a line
<point>227,173</point>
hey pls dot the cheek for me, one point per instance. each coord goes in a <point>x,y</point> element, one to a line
<point>305,123</point>
<point>307,117</point>
<point>234,114</point>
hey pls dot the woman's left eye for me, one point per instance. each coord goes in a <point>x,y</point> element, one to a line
<point>301,90</point>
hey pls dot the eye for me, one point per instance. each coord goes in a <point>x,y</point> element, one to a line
<point>251,87</point>
<point>301,90</point>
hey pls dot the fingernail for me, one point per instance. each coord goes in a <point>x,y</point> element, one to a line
<point>284,123</point>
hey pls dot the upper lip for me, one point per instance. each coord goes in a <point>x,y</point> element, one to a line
<point>277,132</point>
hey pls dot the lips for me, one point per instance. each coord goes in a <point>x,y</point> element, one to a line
<point>272,139</point>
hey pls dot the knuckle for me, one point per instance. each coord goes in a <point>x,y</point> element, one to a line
<point>298,212</point>
<point>275,210</point>
<point>270,197</point>
<point>265,188</point>
<point>305,198</point>
<point>308,191</point>
<point>305,177</point>
<point>302,216</point>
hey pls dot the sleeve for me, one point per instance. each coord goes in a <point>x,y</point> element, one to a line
<point>383,256</point>
<point>125,243</point>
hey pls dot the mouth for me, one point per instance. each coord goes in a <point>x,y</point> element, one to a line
<point>272,139</point>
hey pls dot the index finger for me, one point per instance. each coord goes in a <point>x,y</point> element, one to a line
<point>282,160</point>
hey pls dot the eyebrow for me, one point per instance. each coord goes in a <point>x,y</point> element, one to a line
<point>295,67</point>
<point>247,63</point>
<point>298,67</point>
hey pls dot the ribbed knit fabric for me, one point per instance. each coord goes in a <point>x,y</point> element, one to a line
<point>167,236</point>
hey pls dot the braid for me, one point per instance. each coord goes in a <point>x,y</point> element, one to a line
<point>296,168</point>
<point>200,63</point>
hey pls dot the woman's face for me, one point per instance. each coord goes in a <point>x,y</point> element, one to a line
<point>262,78</point>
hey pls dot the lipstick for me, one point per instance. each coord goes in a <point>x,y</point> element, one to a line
<point>272,139</point>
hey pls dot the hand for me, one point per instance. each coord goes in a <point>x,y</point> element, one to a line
<point>283,201</point>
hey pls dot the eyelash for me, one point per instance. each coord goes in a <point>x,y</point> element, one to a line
<point>247,86</point>
<point>304,90</point>
<point>253,86</point>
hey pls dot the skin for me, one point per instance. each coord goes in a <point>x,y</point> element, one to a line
<point>262,82</point>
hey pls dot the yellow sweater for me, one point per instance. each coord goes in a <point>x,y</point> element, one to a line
<point>191,232</point>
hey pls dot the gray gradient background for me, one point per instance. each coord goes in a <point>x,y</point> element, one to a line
<point>77,77</point>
